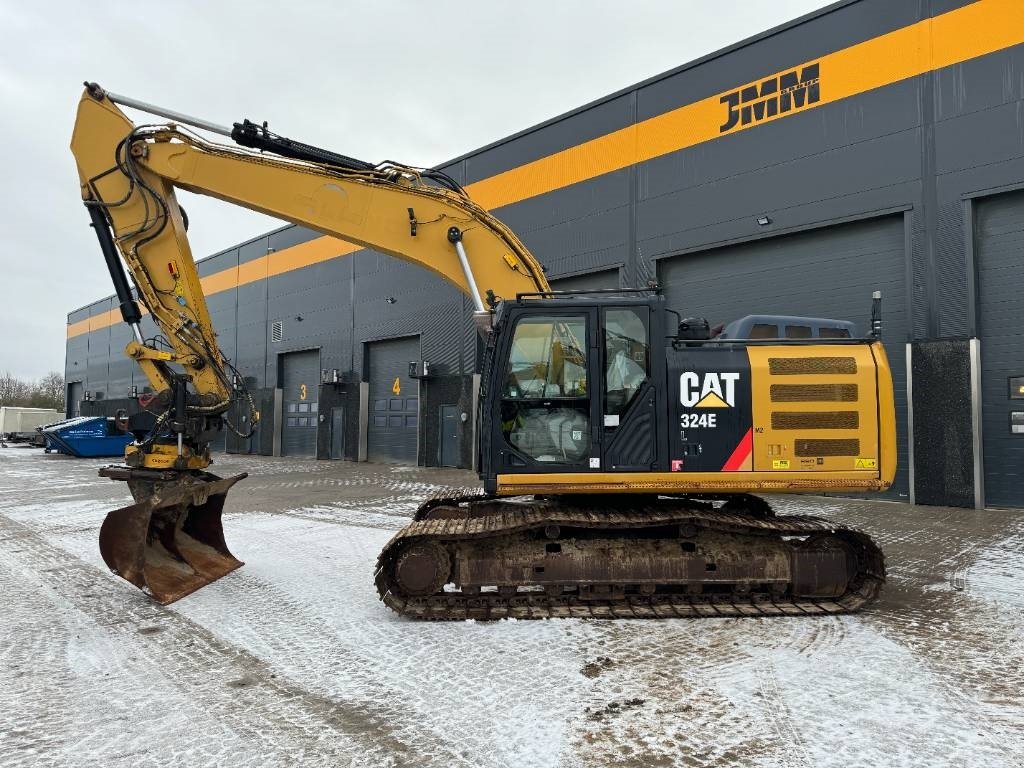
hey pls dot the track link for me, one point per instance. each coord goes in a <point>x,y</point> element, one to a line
<point>451,518</point>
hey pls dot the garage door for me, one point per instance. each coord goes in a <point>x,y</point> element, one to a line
<point>393,423</point>
<point>829,272</point>
<point>999,253</point>
<point>606,278</point>
<point>300,379</point>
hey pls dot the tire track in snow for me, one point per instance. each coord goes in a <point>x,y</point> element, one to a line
<point>235,687</point>
<point>781,717</point>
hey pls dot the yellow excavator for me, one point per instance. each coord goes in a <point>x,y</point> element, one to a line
<point>620,444</point>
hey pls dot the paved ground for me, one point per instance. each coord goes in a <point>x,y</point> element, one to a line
<point>292,660</point>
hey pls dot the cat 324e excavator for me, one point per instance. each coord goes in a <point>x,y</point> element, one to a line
<point>619,444</point>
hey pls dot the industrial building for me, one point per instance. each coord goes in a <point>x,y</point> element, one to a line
<point>871,145</point>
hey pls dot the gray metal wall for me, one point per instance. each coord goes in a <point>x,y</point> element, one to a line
<point>591,281</point>
<point>920,151</point>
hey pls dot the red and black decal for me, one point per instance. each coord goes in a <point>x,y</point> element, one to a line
<point>740,459</point>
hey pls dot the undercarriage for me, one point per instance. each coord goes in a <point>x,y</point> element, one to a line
<point>475,556</point>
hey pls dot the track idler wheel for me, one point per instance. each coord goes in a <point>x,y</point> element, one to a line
<point>422,569</point>
<point>170,542</point>
<point>823,567</point>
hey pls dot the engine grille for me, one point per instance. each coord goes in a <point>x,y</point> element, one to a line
<point>824,420</point>
<point>793,366</point>
<point>814,393</point>
<point>827,448</point>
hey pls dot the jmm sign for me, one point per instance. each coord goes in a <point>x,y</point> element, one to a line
<point>775,96</point>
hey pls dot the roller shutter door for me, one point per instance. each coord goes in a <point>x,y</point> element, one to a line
<point>393,423</point>
<point>300,380</point>
<point>999,253</point>
<point>827,272</point>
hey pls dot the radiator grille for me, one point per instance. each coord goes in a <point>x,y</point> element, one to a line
<point>814,393</point>
<point>827,448</point>
<point>790,366</point>
<point>826,420</point>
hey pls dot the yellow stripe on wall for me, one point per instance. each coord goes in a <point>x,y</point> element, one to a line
<point>296,257</point>
<point>975,30</point>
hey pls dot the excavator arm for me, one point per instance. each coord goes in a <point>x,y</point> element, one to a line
<point>170,541</point>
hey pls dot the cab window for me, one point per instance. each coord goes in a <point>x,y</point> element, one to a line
<point>764,331</point>
<point>545,402</point>
<point>627,357</point>
<point>828,332</point>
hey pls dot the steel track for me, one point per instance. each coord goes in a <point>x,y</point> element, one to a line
<point>448,519</point>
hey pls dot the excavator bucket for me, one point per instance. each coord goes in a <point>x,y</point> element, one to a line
<point>170,542</point>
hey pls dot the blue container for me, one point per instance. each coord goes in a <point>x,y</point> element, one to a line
<point>87,437</point>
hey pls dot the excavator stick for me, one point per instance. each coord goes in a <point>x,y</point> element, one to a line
<point>170,542</point>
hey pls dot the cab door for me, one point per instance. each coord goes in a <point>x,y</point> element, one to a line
<point>545,416</point>
<point>628,396</point>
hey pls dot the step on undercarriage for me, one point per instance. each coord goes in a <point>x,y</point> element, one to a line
<point>473,556</point>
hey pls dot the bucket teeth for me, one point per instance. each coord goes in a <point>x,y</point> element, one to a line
<point>170,542</point>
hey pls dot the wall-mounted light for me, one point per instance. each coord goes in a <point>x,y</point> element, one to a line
<point>390,300</point>
<point>763,221</point>
<point>298,318</point>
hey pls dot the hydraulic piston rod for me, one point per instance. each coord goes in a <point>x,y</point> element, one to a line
<point>153,109</point>
<point>455,238</point>
<point>127,304</point>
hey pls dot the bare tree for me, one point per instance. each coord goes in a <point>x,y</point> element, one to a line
<point>14,391</point>
<point>49,391</point>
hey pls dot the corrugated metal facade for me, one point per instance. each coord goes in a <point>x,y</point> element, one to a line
<point>913,152</point>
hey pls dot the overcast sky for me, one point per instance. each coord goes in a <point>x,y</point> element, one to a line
<point>419,82</point>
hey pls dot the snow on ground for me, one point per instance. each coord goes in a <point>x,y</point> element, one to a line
<point>292,660</point>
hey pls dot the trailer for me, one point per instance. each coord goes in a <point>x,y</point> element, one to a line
<point>20,425</point>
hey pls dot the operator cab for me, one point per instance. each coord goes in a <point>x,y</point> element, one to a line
<point>588,382</point>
